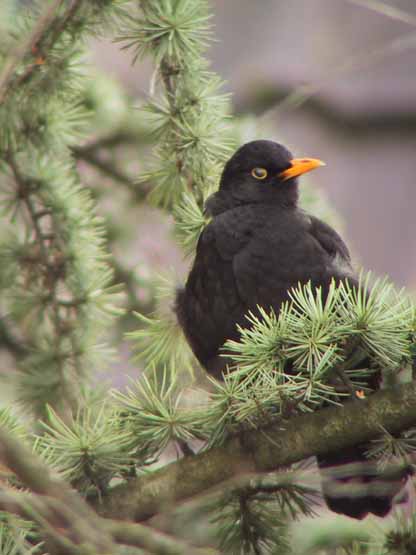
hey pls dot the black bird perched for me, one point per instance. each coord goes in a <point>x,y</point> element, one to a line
<point>257,246</point>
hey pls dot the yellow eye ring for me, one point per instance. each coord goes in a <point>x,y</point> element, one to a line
<point>259,173</point>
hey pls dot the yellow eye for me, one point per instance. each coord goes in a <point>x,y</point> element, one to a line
<point>259,173</point>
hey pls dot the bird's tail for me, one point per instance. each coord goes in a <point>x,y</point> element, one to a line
<point>354,486</point>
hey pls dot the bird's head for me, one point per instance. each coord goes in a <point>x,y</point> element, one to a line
<point>264,171</point>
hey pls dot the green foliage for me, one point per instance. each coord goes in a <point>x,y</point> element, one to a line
<point>87,451</point>
<point>11,422</point>
<point>190,114</point>
<point>160,340</point>
<point>302,355</point>
<point>55,277</point>
<point>254,518</point>
<point>401,540</point>
<point>16,536</point>
<point>251,527</point>
<point>190,221</point>
<point>153,414</point>
<point>177,30</point>
<point>393,449</point>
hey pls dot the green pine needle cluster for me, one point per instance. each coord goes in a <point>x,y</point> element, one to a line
<point>11,422</point>
<point>251,527</point>
<point>16,536</point>
<point>160,341</point>
<point>154,415</point>
<point>89,450</point>
<point>401,540</point>
<point>315,353</point>
<point>253,519</point>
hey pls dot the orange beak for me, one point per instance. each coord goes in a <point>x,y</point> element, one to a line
<point>300,166</point>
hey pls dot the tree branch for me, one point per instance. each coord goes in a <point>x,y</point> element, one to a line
<point>90,154</point>
<point>264,450</point>
<point>65,518</point>
<point>42,26</point>
<point>67,522</point>
<point>282,97</point>
<point>142,536</point>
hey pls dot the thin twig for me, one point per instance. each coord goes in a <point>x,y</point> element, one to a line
<point>65,517</point>
<point>108,168</point>
<point>387,10</point>
<point>59,28</point>
<point>9,342</point>
<point>45,36</point>
<point>111,140</point>
<point>145,537</point>
<point>51,260</point>
<point>248,531</point>
<point>15,59</point>
<point>52,503</point>
<point>303,93</point>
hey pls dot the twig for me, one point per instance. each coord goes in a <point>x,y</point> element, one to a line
<point>302,94</point>
<point>65,517</point>
<point>51,261</point>
<point>383,8</point>
<point>40,29</point>
<point>248,531</point>
<point>108,168</point>
<point>60,26</point>
<point>142,536</point>
<point>58,508</point>
<point>107,141</point>
<point>9,342</point>
<point>50,27</point>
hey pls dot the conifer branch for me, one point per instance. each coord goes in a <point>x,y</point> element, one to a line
<point>117,138</point>
<point>42,27</point>
<point>51,265</point>
<point>51,270</point>
<point>55,275</point>
<point>265,449</point>
<point>65,518</point>
<point>56,508</point>
<point>191,113</point>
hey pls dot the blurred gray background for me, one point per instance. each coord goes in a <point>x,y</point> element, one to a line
<point>336,80</point>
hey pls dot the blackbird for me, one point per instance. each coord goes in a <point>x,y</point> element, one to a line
<point>257,246</point>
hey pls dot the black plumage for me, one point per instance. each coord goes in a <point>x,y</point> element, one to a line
<point>257,246</point>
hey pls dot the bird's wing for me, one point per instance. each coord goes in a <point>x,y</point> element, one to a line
<point>210,304</point>
<point>332,244</point>
<point>291,248</point>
